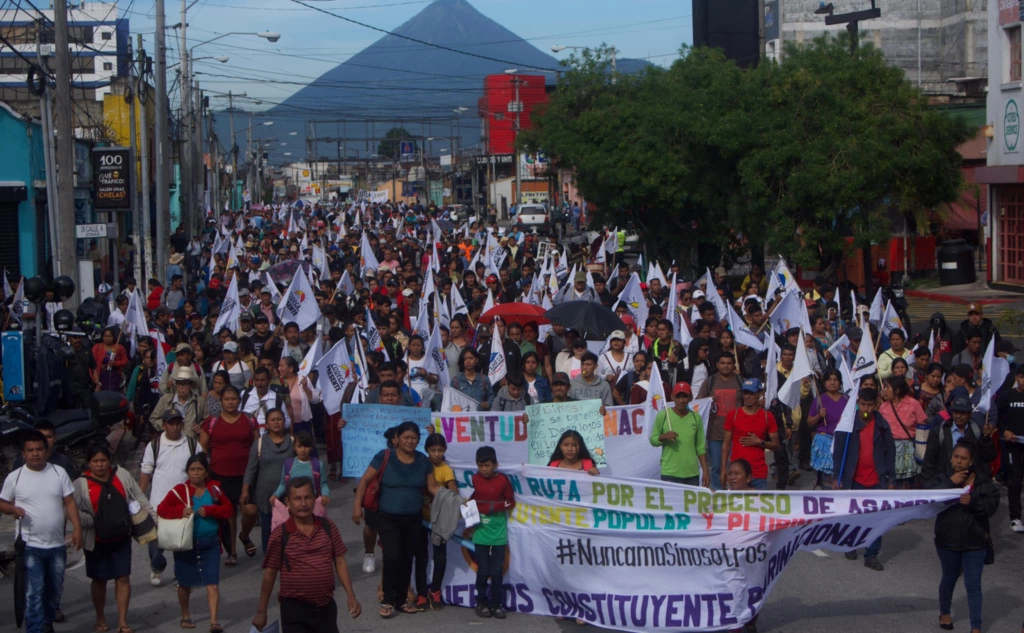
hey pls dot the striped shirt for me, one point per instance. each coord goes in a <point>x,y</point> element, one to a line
<point>309,573</point>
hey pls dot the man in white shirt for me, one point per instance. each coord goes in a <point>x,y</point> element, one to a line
<point>116,317</point>
<point>163,465</point>
<point>260,398</point>
<point>39,494</point>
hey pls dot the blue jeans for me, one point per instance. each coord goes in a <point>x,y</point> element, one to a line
<point>972,564</point>
<point>876,545</point>
<point>157,560</point>
<point>490,559</point>
<point>44,584</point>
<point>714,454</point>
<point>759,484</point>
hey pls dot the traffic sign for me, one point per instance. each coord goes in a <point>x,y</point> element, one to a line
<point>90,231</point>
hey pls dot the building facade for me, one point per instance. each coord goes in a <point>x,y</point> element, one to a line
<point>1004,170</point>
<point>99,40</point>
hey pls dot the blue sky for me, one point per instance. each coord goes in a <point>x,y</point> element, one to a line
<point>653,29</point>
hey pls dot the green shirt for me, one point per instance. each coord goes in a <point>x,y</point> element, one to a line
<point>493,529</point>
<point>679,458</point>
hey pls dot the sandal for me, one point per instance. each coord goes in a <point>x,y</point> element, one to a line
<point>125,629</point>
<point>100,628</point>
<point>216,628</point>
<point>186,623</point>
<point>387,611</point>
<point>250,547</point>
<point>231,561</point>
<point>410,608</point>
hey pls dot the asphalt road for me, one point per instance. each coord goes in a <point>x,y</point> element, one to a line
<point>819,591</point>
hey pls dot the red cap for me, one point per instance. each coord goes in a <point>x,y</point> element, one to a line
<point>628,320</point>
<point>491,279</point>
<point>682,387</point>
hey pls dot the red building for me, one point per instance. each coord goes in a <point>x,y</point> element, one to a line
<point>497,109</point>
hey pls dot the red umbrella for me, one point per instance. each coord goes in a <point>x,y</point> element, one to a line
<point>516,312</point>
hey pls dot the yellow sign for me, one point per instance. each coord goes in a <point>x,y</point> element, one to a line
<point>305,173</point>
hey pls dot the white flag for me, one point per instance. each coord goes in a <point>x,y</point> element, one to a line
<point>771,371</point>
<point>721,309</point>
<point>891,321</point>
<point>369,260</point>
<point>600,259</point>
<point>134,317</point>
<point>422,325</point>
<point>838,349</point>
<point>789,393</point>
<point>232,257</point>
<point>612,243</point>
<point>655,401</point>
<point>865,364</point>
<point>334,372</point>
<point>458,305</point>
<point>230,310</point>
<point>875,314</point>
<point>633,298</point>
<point>268,283</point>
<point>313,356</point>
<point>373,335</point>
<point>455,400</point>
<point>849,416</point>
<point>741,331</point>
<point>435,361</point>
<point>844,371</point>
<point>781,277</point>
<point>993,372</point>
<point>489,303</point>
<point>788,314</point>
<point>299,303</point>
<point>345,284</point>
<point>18,304</point>
<point>7,285</point>
<point>496,369</point>
<point>654,272</point>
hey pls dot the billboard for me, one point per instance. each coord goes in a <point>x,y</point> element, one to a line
<point>112,181</point>
<point>533,166</point>
<point>771,20</point>
<point>408,151</point>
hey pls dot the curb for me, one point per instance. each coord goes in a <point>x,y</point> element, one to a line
<point>938,296</point>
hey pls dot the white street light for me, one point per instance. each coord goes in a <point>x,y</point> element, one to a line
<point>283,143</point>
<point>558,48</point>
<point>270,36</point>
<point>511,71</point>
<point>222,59</point>
<point>292,133</point>
<point>268,123</point>
<point>287,153</point>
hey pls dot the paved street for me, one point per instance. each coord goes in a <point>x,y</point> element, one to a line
<point>819,591</point>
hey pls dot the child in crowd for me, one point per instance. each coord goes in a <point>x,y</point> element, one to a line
<point>302,466</point>
<point>444,475</point>
<point>494,497</point>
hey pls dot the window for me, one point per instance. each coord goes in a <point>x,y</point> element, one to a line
<point>108,66</point>
<point>105,35</point>
<point>1015,53</point>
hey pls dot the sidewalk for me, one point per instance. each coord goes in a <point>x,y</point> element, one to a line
<point>978,292</point>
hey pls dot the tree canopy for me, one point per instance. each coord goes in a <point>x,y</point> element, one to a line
<point>798,156</point>
<point>390,147</point>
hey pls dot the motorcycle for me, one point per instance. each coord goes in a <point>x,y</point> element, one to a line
<point>76,429</point>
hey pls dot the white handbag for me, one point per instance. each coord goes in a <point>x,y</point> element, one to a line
<point>175,535</point>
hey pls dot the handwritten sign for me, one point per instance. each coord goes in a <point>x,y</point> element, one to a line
<point>363,435</point>
<point>549,421</point>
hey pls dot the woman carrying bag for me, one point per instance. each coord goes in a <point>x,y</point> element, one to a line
<point>205,510</point>
<point>107,497</point>
<point>962,537</point>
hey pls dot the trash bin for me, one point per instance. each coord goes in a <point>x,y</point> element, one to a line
<point>956,263</point>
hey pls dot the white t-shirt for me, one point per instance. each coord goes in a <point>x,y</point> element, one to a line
<point>257,408</point>
<point>607,365</point>
<point>240,374</point>
<point>419,382</point>
<point>170,466</point>
<point>41,494</point>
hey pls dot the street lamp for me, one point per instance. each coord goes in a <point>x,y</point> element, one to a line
<point>515,106</point>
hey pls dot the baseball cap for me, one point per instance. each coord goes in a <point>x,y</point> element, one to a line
<point>628,320</point>
<point>961,403</point>
<point>491,279</point>
<point>618,334</point>
<point>244,292</point>
<point>698,294</point>
<point>231,346</point>
<point>682,387</point>
<point>854,333</point>
<point>561,377</point>
<point>581,275</point>
<point>810,302</point>
<point>171,415</point>
<point>720,271</point>
<point>751,385</point>
<point>182,347</point>
<point>1006,346</point>
<point>245,316</point>
<point>974,307</point>
<point>262,318</point>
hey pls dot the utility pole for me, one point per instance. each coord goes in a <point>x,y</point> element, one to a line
<point>66,262</point>
<point>234,149</point>
<point>46,118</point>
<point>133,100</point>
<point>762,41</point>
<point>214,167</point>
<point>146,245</point>
<point>163,202</point>
<point>198,164</point>
<point>186,192</point>
<point>248,157</point>
<point>515,135</point>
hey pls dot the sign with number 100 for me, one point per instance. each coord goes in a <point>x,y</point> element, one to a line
<point>112,181</point>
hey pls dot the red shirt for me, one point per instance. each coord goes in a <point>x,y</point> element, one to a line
<point>866,475</point>
<point>761,424</point>
<point>229,444</point>
<point>310,572</point>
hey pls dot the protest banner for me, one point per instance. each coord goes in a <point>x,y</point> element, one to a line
<point>363,435</point>
<point>651,556</point>
<point>549,421</point>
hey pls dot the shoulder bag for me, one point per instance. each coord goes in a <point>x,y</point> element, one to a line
<point>371,499</point>
<point>175,535</point>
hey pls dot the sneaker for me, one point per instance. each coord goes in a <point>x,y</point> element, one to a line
<point>436,601</point>
<point>482,611</point>
<point>851,555</point>
<point>498,613</point>
<point>1017,526</point>
<point>154,578</point>
<point>793,476</point>
<point>58,616</point>
<point>369,563</point>
<point>421,603</point>
<point>872,562</point>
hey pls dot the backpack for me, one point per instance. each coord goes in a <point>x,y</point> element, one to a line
<point>213,423</point>
<point>113,520</point>
<point>327,526</point>
<point>192,444</point>
<point>278,400</point>
<point>314,464</point>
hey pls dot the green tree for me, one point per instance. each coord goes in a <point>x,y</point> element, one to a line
<point>391,146</point>
<point>705,157</point>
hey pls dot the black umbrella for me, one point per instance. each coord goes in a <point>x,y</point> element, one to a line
<point>592,320</point>
<point>283,272</point>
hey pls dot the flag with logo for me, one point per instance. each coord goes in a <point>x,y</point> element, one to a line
<point>838,349</point>
<point>368,261</point>
<point>781,277</point>
<point>435,361</point>
<point>334,372</point>
<point>230,310</point>
<point>632,297</point>
<point>655,401</point>
<point>312,357</point>
<point>741,331</point>
<point>345,284</point>
<point>299,303</point>
<point>18,304</point>
<point>790,313</point>
<point>994,371</point>
<point>455,400</point>
<point>373,335</point>
<point>496,369</point>
<point>458,305</point>
<point>162,350</point>
<point>865,364</point>
<point>891,321</point>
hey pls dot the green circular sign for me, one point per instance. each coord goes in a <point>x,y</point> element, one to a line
<point>1011,126</point>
